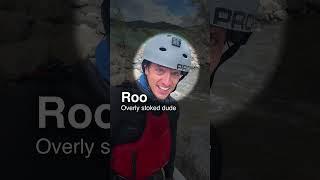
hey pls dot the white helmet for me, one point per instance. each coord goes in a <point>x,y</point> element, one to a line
<point>168,50</point>
<point>238,15</point>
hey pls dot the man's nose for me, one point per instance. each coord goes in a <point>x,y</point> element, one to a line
<point>166,79</point>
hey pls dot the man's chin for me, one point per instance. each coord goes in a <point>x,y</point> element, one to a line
<point>161,97</point>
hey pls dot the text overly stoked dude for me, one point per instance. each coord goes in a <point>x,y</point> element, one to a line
<point>143,141</point>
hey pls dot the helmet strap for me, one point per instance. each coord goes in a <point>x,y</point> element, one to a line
<point>226,55</point>
<point>238,39</point>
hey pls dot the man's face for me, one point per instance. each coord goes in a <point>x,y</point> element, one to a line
<point>162,80</point>
<point>217,39</point>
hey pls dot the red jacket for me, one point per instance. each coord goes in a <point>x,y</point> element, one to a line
<point>131,131</point>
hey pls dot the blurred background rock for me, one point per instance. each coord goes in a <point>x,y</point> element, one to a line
<point>35,32</point>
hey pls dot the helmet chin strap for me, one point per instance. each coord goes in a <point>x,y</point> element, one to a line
<point>226,55</point>
<point>183,75</point>
<point>238,39</point>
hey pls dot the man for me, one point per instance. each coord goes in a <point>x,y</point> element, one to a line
<point>231,22</point>
<point>143,141</point>
<point>167,60</point>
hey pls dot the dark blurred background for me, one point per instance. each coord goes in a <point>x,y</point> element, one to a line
<point>47,48</point>
<point>275,134</point>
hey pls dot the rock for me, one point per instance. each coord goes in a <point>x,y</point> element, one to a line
<point>100,28</point>
<point>281,14</point>
<point>271,10</point>
<point>14,26</point>
<point>57,11</point>
<point>96,3</point>
<point>77,43</point>
<point>80,17</point>
<point>121,77</point>
<point>23,56</point>
<point>114,69</point>
<point>86,40</point>
<point>269,6</point>
<point>137,73</point>
<point>91,11</point>
<point>193,157</point>
<point>93,60</point>
<point>79,3</point>
<point>194,59</point>
<point>117,79</point>
<point>282,3</point>
<point>195,64</point>
<point>42,29</point>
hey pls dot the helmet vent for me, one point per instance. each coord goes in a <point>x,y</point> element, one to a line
<point>184,55</point>
<point>162,49</point>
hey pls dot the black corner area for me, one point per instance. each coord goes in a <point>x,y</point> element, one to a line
<point>47,49</point>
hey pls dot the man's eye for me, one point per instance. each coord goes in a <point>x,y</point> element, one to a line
<point>160,70</point>
<point>177,74</point>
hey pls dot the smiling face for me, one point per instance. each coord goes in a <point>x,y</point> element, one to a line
<point>162,80</point>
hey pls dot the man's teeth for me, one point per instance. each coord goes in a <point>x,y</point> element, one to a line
<point>163,88</point>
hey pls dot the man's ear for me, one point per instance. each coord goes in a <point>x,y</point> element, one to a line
<point>146,69</point>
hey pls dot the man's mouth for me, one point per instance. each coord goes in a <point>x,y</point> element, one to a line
<point>163,92</point>
<point>164,88</point>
